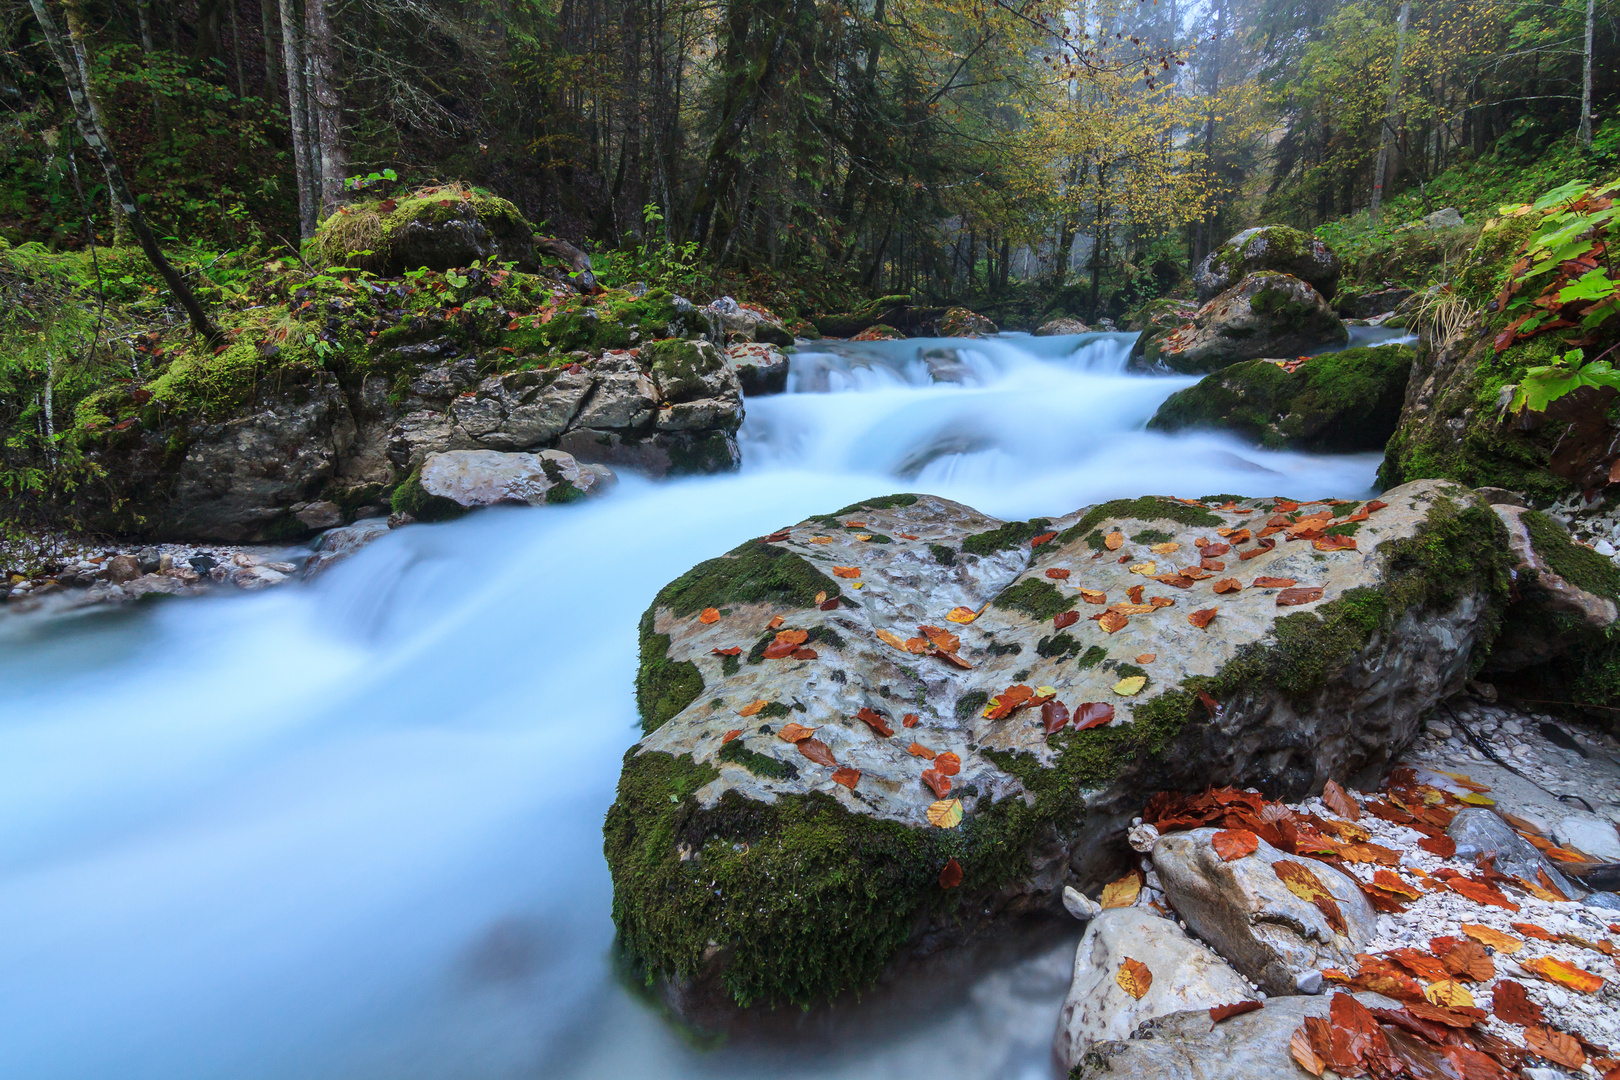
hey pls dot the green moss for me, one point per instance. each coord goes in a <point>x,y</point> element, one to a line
<point>757,763</point>
<point>664,687</point>
<point>970,705</point>
<point>1151,536</point>
<point>410,498</point>
<point>751,573</point>
<point>1011,535</point>
<point>1092,657</point>
<point>1004,648</point>
<point>1578,565</point>
<point>944,555</point>
<point>1146,508</point>
<point>1038,599</point>
<point>1059,647</point>
<point>885,502</point>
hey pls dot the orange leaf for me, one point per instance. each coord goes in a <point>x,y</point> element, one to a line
<point>1226,585</point>
<point>1065,618</point>
<point>910,720</point>
<point>732,734</point>
<point>1303,595</point>
<point>942,639</point>
<point>774,623</point>
<point>803,654</point>
<point>1238,1008</point>
<point>948,763</point>
<point>962,615</point>
<point>1044,538</point>
<point>846,571</point>
<point>1563,974</point>
<point>1134,593</point>
<point>1122,893</point>
<point>784,643</point>
<point>1531,930</point>
<point>1335,543</point>
<point>1467,959</point>
<point>1555,1046</point>
<point>1057,575</point>
<point>1134,977</point>
<point>937,781</point>
<point>792,732</point>
<point>1202,618</point>
<point>817,751</point>
<point>847,776</point>
<point>1234,843</point>
<point>945,814</point>
<point>1392,882</point>
<point>1092,596</point>
<point>920,750</point>
<point>1502,943</point>
<point>1114,541</point>
<point>950,875</point>
<point>1300,1047</point>
<point>735,650</point>
<point>876,721</point>
<point>1147,658</point>
<point>1113,621</point>
<point>710,615</point>
<point>1335,798</point>
<point>1273,583</point>
<point>1479,893</point>
<point>1421,964</point>
<point>752,707</point>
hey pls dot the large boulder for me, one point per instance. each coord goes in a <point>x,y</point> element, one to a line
<point>1268,247</point>
<point>441,228</point>
<point>1064,324</point>
<point>960,322</point>
<point>749,322</point>
<point>751,865</point>
<point>761,368</point>
<point>1267,314</point>
<point>1480,833</point>
<point>456,481</point>
<point>1183,975</point>
<point>1336,402</point>
<point>1248,913</point>
<point>883,309</point>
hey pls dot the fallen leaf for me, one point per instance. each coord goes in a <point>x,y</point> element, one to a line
<point>829,605</point>
<point>1443,846</point>
<point>951,658</point>
<point>1462,1017</point>
<point>1226,585</point>
<point>961,615</point>
<point>1044,538</point>
<point>1057,574</point>
<point>732,734</point>
<point>1122,893</point>
<point>1160,601</point>
<point>945,814</point>
<point>1218,1013</point>
<point>1214,566</point>
<point>1065,618</point>
<point>1146,569</point>
<point>948,763</point>
<point>1260,548</point>
<point>1555,1046</point>
<point>920,750</point>
<point>709,616</point>
<point>1423,965</point>
<point>854,524</point>
<point>876,721</point>
<point>1356,1040</point>
<point>803,654</point>
<point>1147,658</point>
<point>1381,977</point>
<point>735,650</point>
<point>1165,549</point>
<point>937,781</point>
<point>846,571</point>
<point>863,537</point>
<point>1469,960</point>
<point>1304,595</point>
<point>1300,1047</point>
<point>1134,977</point>
<point>1234,843</point>
<point>1202,618</point>
<point>1448,992</point>
<point>1273,583</point>
<point>889,637</point>
<point>1054,716</point>
<point>752,707</point>
<point>792,732</point>
<point>821,540</point>
<point>1531,930</point>
<point>821,597</point>
<point>1512,1004</point>
<point>1335,543</point>
<point>1008,701</point>
<point>1302,881</point>
<point>1134,593</point>
<point>1114,541</point>
<point>1506,944</point>
<point>1376,504</point>
<point>1479,893</point>
<point>1129,686</point>
<point>784,643</point>
<point>1338,800</point>
<point>1090,714</point>
<point>1556,971</point>
<point>906,536</point>
<point>1112,621</point>
<point>817,751</point>
<point>1177,581</point>
<point>775,622</point>
<point>916,645</point>
<point>847,776</point>
<point>1092,596</point>
<point>950,876</point>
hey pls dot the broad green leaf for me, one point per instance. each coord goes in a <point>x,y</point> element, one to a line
<point>1593,285</point>
<point>1561,194</point>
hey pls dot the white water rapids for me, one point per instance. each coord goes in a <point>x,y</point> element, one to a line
<point>353,830</point>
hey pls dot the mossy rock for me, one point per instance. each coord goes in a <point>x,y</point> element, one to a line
<point>441,228</point>
<point>1268,247</point>
<point>1267,315</point>
<point>737,884</point>
<point>871,313</point>
<point>1336,403</point>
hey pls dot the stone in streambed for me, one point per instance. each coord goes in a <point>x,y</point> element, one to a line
<point>1185,976</point>
<point>761,368</point>
<point>1266,314</point>
<point>1244,910</point>
<point>1268,247</point>
<point>1335,403</point>
<point>1479,831</point>
<point>744,873</point>
<point>459,480</point>
<point>1062,325</point>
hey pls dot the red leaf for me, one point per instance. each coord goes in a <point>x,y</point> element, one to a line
<point>1209,703</point>
<point>1234,843</point>
<point>910,719</point>
<point>817,751</point>
<point>735,650</point>
<point>876,721</point>
<point>950,876</point>
<point>1443,846</point>
<point>830,604</point>
<point>948,763</point>
<point>1054,716</point>
<point>1044,538</point>
<point>1065,618</point>
<point>1202,618</point>
<point>803,654</point>
<point>1304,595</point>
<point>938,781</point>
<point>847,776</point>
<point>776,537</point>
<point>732,734</point>
<point>1226,1012</point>
<point>1092,714</point>
<point>1512,1005</point>
<point>1057,575</point>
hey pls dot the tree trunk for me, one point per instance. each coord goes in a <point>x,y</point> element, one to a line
<point>236,51</point>
<point>1585,133</point>
<point>76,38</point>
<point>143,13</point>
<point>298,120</point>
<point>327,107</point>
<point>1388,135</point>
<point>95,138</point>
<point>272,60</point>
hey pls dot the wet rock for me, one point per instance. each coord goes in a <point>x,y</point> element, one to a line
<point>335,545</point>
<point>150,560</point>
<point>475,478</point>
<point>1371,304</point>
<point>1250,916</point>
<point>1269,247</point>
<point>1063,324</point>
<point>1589,834</point>
<point>520,409</point>
<point>1478,831</point>
<point>202,563</point>
<point>122,568</point>
<point>1306,693</point>
<point>750,322</point>
<point>1337,402</point>
<point>1185,976</point>
<point>1253,1046</point>
<point>319,515</point>
<point>1265,315</point>
<point>761,368</point>
<point>960,322</point>
<point>1554,615</point>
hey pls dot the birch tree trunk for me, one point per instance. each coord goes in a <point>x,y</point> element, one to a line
<point>327,108</point>
<point>298,119</point>
<point>272,56</point>
<point>1381,171</point>
<point>76,37</point>
<point>95,137</point>
<point>1586,77</point>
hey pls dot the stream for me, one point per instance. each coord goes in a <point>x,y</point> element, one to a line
<point>353,830</point>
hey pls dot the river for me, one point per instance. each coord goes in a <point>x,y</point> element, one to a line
<point>353,830</point>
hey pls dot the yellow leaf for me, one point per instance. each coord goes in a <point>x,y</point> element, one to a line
<point>1563,974</point>
<point>945,814</point>
<point>1165,549</point>
<point>752,707</point>
<point>1132,685</point>
<point>821,539</point>
<point>863,536</point>
<point>1114,541</point>
<point>1475,799</point>
<point>1449,993</point>
<point>962,615</point>
<point>1046,691</point>
<point>821,597</point>
<point>1134,977</point>
<point>1122,893</point>
<point>1502,943</point>
<point>889,637</point>
<point>1146,569</point>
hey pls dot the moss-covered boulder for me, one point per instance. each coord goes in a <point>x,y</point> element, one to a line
<point>960,322</point>
<point>1269,247</point>
<point>441,228</point>
<point>1060,326</point>
<point>1336,402</point>
<point>753,864</point>
<point>1267,314</point>
<point>883,309</point>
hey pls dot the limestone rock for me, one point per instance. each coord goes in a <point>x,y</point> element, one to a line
<point>750,322</point>
<point>1371,304</point>
<point>1269,247</point>
<point>1337,402</point>
<point>1589,834</point>
<point>1266,314</point>
<point>1479,831</point>
<point>960,322</point>
<point>1062,325</point>
<point>441,229</point>
<point>335,545</point>
<point>761,368</point>
<point>1244,910</point>
<point>1553,614</point>
<point>1253,1046</point>
<point>122,568</point>
<point>1185,976</point>
<point>1330,688</point>
<point>474,478</point>
<point>1449,218</point>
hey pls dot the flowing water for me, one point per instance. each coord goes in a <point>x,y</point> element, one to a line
<point>353,830</point>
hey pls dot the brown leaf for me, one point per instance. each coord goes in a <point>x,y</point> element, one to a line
<point>735,650</point>
<point>951,658</point>
<point>1218,1013</point>
<point>1112,621</point>
<point>784,643</point>
<point>948,763</point>
<point>1147,658</point>
<point>1214,566</point>
<point>1423,965</point>
<point>1335,798</point>
<point>817,751</point>
<point>1506,944</point>
<point>732,734</point>
<point>803,654</point>
<point>1134,977</point>
<point>1093,596</point>
<point>1382,977</point>
<point>709,616</point>
<point>1531,930</point>
<point>1300,1047</point>
<point>937,781</point>
<point>847,776</point>
<point>876,721</point>
<point>941,638</point>
<point>1512,1004</point>
<point>1302,881</point>
<point>792,732</point>
<point>1273,583</point>
<point>829,605</point>
<point>1057,574</point>
<point>1202,618</point>
<point>775,622</point>
<point>1008,701</point>
<point>910,720</point>
<point>950,875</point>
<point>1054,716</point>
<point>1556,971</point>
<point>1065,618</point>
<point>1134,593</point>
<point>1090,714</point>
<point>1468,960</point>
<point>1357,1041</point>
<point>920,750</point>
<point>1335,543</point>
<point>1211,551</point>
<point>1555,1046</point>
<point>1443,846</point>
<point>1304,595</point>
<point>1234,843</point>
<point>1122,893</point>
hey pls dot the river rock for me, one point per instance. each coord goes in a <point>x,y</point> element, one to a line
<point>1268,247</point>
<point>122,568</point>
<point>725,833</point>
<point>474,478</point>
<point>1371,304</point>
<point>1253,1046</point>
<point>1337,402</point>
<point>1554,614</point>
<point>750,322</point>
<point>1243,909</point>
<point>1063,324</point>
<point>1479,831</point>
<point>1267,314</point>
<point>1185,976</point>
<point>1589,834</point>
<point>335,545</point>
<point>761,368</point>
<point>960,322</point>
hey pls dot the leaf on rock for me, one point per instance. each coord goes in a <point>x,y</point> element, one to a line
<point>735,650</point>
<point>709,617</point>
<point>1423,965</point>
<point>1114,541</point>
<point>1146,569</point>
<point>1302,881</point>
<point>938,782</point>
<point>910,720</point>
<point>1008,701</point>
<point>1556,971</point>
<point>1449,992</point>
<point>1218,1013</point>
<point>1160,601</point>
<point>1134,593</point>
<point>1113,621</point>
<point>847,776</point>
<point>1392,882</point>
<point>948,763</point>
<point>1531,930</point>
<point>876,721</point>
<point>1442,845</point>
<point>792,732</point>
<point>1214,566</point>
<point>945,814</point>
<point>1479,893</point>
<point>962,615</point>
<point>1057,574</point>
<point>1506,944</point>
<point>1093,596</point>
<point>1122,893</point>
<point>1167,548</point>
<point>1335,543</point>
<point>1338,800</point>
<point>1129,686</point>
<point>752,707</point>
<point>1226,585</point>
<point>1300,1047</point>
<point>817,751</point>
<point>950,875</point>
<point>951,658</point>
<point>784,643</point>
<point>1512,1004</point>
<point>829,605</point>
<point>1147,658</point>
<point>920,750</point>
<point>1090,714</point>
<point>1134,977</point>
<point>1303,595</point>
<point>775,622</point>
<point>1468,960</point>
<point>732,734</point>
<point>890,638</point>
<point>1202,618</point>
<point>846,571</point>
<point>1273,583</point>
<point>803,654</point>
<point>1054,716</point>
<point>1555,1046</point>
<point>1234,843</point>
<point>1065,618</point>
<point>1357,1042</point>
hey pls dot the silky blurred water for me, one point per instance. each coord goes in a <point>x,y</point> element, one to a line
<point>353,830</point>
